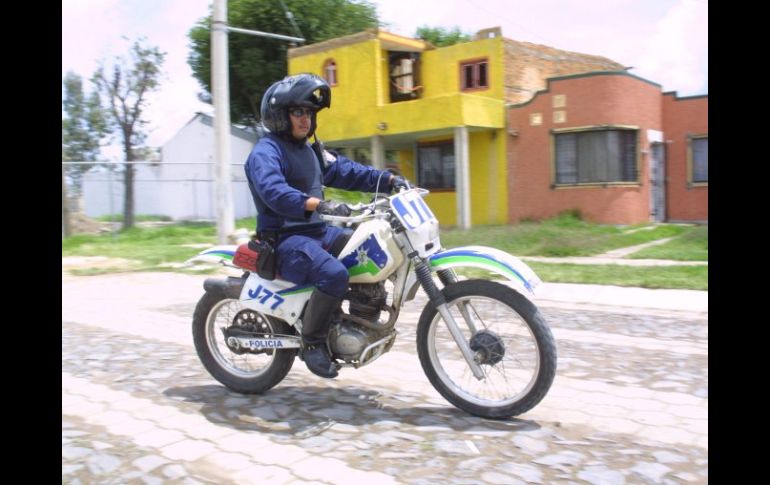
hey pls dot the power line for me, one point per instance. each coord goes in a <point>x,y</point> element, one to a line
<point>290,16</point>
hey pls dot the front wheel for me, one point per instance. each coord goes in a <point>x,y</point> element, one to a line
<point>244,371</point>
<point>509,339</point>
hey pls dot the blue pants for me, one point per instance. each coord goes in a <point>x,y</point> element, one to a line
<point>305,260</point>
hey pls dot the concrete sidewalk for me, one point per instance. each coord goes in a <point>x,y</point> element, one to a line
<point>561,294</point>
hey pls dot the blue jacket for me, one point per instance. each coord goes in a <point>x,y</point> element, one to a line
<point>282,175</point>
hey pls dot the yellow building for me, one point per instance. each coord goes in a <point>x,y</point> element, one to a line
<point>435,114</point>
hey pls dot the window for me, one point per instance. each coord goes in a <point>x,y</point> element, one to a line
<point>699,147</point>
<point>596,156</point>
<point>330,72</point>
<point>404,75</point>
<point>474,75</point>
<point>436,166</point>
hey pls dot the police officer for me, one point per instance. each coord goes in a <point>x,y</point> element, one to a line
<point>286,176</point>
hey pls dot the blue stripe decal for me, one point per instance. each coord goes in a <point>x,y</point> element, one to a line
<point>475,254</point>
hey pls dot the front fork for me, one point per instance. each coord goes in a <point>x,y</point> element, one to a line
<point>447,277</point>
<point>422,270</point>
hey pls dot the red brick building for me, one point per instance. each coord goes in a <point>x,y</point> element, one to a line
<point>686,126</point>
<point>611,145</point>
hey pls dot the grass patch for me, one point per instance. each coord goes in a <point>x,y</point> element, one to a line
<point>672,277</point>
<point>565,235</point>
<point>150,247</point>
<point>655,277</point>
<point>693,245</point>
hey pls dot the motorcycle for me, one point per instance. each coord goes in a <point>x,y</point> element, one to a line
<point>483,345</point>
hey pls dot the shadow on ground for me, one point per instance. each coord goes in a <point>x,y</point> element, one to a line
<point>305,411</point>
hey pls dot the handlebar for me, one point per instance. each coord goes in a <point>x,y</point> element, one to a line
<point>369,209</point>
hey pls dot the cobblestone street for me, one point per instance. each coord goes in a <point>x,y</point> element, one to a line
<point>629,403</point>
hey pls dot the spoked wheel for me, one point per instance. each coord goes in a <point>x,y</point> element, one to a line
<point>242,370</point>
<point>509,340</point>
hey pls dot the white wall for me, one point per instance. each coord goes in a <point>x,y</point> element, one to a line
<point>181,191</point>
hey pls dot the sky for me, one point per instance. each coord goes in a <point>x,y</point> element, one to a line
<point>664,41</point>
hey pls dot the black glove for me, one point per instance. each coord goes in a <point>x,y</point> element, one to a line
<point>398,182</point>
<point>331,208</point>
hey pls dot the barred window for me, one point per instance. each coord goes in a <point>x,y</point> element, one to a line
<point>700,159</point>
<point>436,166</point>
<point>596,156</point>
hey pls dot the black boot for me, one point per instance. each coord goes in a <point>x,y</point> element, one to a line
<point>315,328</point>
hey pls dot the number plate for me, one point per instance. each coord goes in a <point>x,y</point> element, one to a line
<point>411,210</point>
<point>269,343</point>
<point>418,220</point>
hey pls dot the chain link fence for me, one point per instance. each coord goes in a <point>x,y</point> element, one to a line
<point>174,191</point>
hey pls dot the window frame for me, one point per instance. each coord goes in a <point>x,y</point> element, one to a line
<point>474,64</point>
<point>691,182</point>
<point>450,143</point>
<point>596,128</point>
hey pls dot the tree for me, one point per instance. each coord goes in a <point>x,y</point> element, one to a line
<point>257,62</point>
<point>125,86</point>
<point>82,128</point>
<point>441,37</point>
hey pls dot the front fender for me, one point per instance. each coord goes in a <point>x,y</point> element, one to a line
<point>490,259</point>
<point>214,255</point>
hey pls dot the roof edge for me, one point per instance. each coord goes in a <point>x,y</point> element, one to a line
<point>683,98</point>
<point>574,76</point>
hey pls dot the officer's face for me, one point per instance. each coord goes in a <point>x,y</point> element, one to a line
<point>300,122</point>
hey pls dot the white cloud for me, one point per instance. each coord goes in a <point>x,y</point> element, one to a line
<point>84,37</point>
<point>677,53</point>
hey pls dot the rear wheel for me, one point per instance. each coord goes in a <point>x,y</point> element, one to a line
<point>244,371</point>
<point>509,339</point>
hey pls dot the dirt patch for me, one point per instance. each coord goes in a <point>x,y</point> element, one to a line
<point>69,263</point>
<point>82,224</point>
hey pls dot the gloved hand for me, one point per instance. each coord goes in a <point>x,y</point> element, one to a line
<point>331,208</point>
<point>398,182</point>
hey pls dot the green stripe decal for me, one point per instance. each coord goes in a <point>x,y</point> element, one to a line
<point>297,292</point>
<point>438,261</point>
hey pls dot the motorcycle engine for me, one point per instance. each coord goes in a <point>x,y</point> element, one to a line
<point>367,300</point>
<point>347,338</point>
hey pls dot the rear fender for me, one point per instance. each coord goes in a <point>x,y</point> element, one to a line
<point>494,260</point>
<point>222,254</point>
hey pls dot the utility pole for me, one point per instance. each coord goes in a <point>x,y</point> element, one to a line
<point>221,87</point>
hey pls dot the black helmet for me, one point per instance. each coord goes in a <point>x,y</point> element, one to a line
<point>307,90</point>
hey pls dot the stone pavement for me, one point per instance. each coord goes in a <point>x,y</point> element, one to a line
<point>629,403</point>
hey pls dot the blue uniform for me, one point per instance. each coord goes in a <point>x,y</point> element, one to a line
<point>282,175</point>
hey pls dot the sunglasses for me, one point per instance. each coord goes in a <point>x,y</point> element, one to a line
<point>299,112</point>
